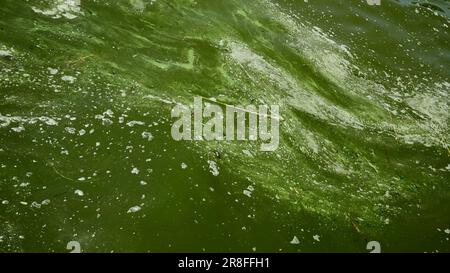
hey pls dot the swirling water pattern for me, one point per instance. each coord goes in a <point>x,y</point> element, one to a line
<point>86,155</point>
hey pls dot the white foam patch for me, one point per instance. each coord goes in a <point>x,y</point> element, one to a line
<point>336,63</point>
<point>300,97</point>
<point>6,53</point>
<point>69,9</point>
<point>140,5</point>
<point>431,106</point>
<point>213,167</point>
<point>8,120</point>
<point>69,79</point>
<point>134,209</point>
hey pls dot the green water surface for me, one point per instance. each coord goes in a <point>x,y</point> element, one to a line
<point>86,91</point>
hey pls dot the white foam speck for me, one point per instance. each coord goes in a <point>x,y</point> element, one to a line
<point>69,79</point>
<point>213,167</point>
<point>135,122</point>
<point>147,135</point>
<point>18,129</point>
<point>79,192</point>
<point>248,192</point>
<point>53,71</point>
<point>316,237</point>
<point>70,130</point>
<point>134,209</point>
<point>295,241</point>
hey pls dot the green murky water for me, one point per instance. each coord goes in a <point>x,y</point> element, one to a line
<point>86,90</point>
